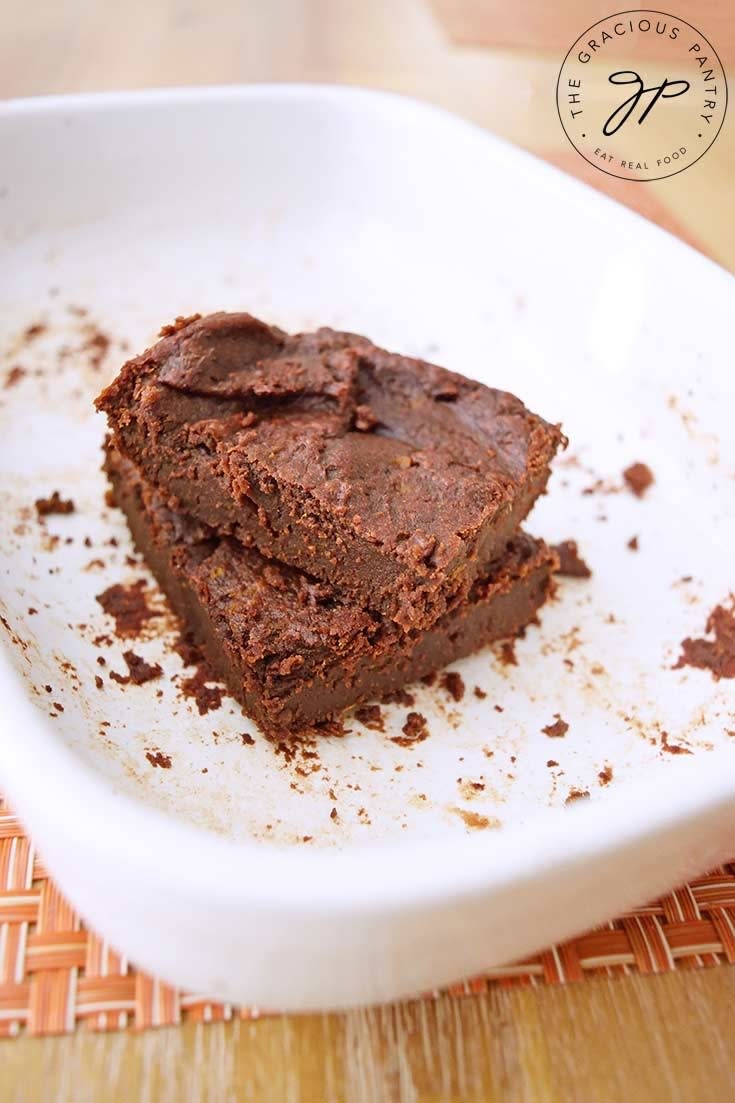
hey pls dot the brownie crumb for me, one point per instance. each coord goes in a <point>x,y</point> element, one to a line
<point>98,682</point>
<point>333,814</point>
<point>605,775</point>
<point>552,762</point>
<point>158,758</point>
<point>556,730</point>
<point>571,564</point>
<point>207,698</point>
<point>30,333</point>
<point>96,345</point>
<point>399,697</point>
<point>479,693</point>
<point>429,679</point>
<point>54,504</point>
<point>371,717</point>
<point>498,708</point>
<point>633,543</point>
<point>32,611</point>
<point>414,731</point>
<point>129,608</point>
<point>638,477</point>
<point>672,748</point>
<point>454,685</point>
<point>139,671</point>
<point>577,794</point>
<point>13,376</point>
<point>717,654</point>
<point>247,739</point>
<point>507,653</point>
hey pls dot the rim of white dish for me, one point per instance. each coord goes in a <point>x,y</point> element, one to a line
<point>48,783</point>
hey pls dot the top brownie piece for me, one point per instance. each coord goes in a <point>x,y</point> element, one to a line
<point>390,477</point>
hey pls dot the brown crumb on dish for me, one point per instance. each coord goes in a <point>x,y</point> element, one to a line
<point>571,564</point>
<point>638,477</point>
<point>54,504</point>
<point>453,683</point>
<point>605,775</point>
<point>333,815</point>
<point>415,730</point>
<point>672,748</point>
<point>717,654</point>
<point>207,698</point>
<point>247,739</point>
<point>479,693</point>
<point>577,794</point>
<point>99,682</point>
<point>158,758</point>
<point>556,730</point>
<point>551,762</point>
<point>371,716</point>
<point>633,543</point>
<point>128,606</point>
<point>30,333</point>
<point>139,671</point>
<point>13,376</point>
<point>429,679</point>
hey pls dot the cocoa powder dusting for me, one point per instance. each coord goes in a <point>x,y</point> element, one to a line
<point>571,564</point>
<point>454,685</point>
<point>128,606</point>
<point>717,654</point>
<point>638,477</point>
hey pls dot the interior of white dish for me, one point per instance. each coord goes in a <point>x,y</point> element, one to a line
<point>387,228</point>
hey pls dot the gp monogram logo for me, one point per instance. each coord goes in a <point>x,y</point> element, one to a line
<point>642,95</point>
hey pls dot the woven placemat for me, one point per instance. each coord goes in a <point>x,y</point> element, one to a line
<point>57,976</point>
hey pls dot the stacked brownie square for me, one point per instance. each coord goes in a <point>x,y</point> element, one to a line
<point>331,521</point>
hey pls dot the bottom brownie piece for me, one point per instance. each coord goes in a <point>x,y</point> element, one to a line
<point>292,650</point>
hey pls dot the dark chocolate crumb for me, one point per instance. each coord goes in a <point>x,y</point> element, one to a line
<point>498,708</point>
<point>414,731</point>
<point>333,814</point>
<point>452,682</point>
<point>139,671</point>
<point>247,739</point>
<point>605,775</point>
<point>633,543</point>
<point>552,762</point>
<point>718,654</point>
<point>98,681</point>
<point>571,564</point>
<point>638,478</point>
<point>479,693</point>
<point>507,653</point>
<point>54,504</point>
<point>207,698</point>
<point>556,730</point>
<point>672,748</point>
<point>31,611</point>
<point>128,606</point>
<point>158,758</point>
<point>429,679</point>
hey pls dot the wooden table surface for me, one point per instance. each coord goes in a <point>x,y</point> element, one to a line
<point>637,1038</point>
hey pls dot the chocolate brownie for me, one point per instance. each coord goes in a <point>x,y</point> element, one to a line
<point>295,651</point>
<point>391,478</point>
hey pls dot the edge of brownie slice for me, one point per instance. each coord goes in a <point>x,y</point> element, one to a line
<point>389,477</point>
<point>295,651</point>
